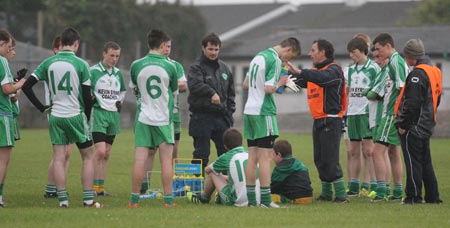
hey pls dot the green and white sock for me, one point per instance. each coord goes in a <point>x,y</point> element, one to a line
<point>365,185</point>
<point>62,195</point>
<point>168,199</point>
<point>88,196</point>
<point>398,190</point>
<point>266,199</point>
<point>50,189</point>
<point>354,185</point>
<point>251,195</point>
<point>373,185</point>
<point>381,189</point>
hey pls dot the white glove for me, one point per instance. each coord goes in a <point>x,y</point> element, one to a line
<point>291,84</point>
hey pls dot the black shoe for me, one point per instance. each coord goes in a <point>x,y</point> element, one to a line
<point>52,195</point>
<point>439,201</point>
<point>322,198</point>
<point>378,199</point>
<point>197,198</point>
<point>395,198</point>
<point>352,194</point>
<point>103,193</point>
<point>341,200</point>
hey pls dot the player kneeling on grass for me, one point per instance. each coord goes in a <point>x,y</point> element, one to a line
<point>290,178</point>
<point>231,188</point>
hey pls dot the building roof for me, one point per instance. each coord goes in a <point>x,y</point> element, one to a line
<point>435,39</point>
<point>221,18</point>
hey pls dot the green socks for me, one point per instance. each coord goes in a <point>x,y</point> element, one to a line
<point>251,195</point>
<point>327,190</point>
<point>339,188</point>
<point>266,199</point>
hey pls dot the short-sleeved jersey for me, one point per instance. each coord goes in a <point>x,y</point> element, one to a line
<point>65,73</point>
<point>397,69</point>
<point>265,69</point>
<point>359,77</point>
<point>108,86</point>
<point>5,78</point>
<point>182,77</point>
<point>156,79</point>
<point>234,162</point>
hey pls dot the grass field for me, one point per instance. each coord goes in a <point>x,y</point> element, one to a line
<point>26,206</point>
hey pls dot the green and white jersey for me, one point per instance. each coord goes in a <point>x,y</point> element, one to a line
<point>65,73</point>
<point>359,77</point>
<point>5,78</point>
<point>181,77</point>
<point>107,86</point>
<point>234,163</point>
<point>397,72</point>
<point>376,106</point>
<point>265,69</point>
<point>156,79</point>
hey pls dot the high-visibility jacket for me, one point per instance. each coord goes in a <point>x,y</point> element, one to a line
<point>327,98</point>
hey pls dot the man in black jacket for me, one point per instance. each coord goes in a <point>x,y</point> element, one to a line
<point>211,99</point>
<point>416,118</point>
<point>325,85</point>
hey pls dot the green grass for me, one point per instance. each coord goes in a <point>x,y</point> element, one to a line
<point>26,206</point>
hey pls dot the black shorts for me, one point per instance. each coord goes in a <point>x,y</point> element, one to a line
<point>266,142</point>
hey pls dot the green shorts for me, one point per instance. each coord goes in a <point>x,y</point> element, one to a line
<point>386,131</point>
<point>226,196</point>
<point>70,130</point>
<point>358,127</point>
<point>177,127</point>
<point>105,122</point>
<point>16,128</point>
<point>256,127</point>
<point>6,131</point>
<point>152,136</point>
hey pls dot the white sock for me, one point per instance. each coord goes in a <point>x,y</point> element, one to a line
<point>89,202</point>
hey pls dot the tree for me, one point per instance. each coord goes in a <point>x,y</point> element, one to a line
<point>19,18</point>
<point>431,12</point>
<point>126,23</point>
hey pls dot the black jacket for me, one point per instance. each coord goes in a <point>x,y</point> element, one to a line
<point>416,112</point>
<point>206,77</point>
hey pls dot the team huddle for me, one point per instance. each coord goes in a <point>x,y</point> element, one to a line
<point>379,104</point>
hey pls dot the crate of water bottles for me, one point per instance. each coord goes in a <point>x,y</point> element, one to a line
<point>187,177</point>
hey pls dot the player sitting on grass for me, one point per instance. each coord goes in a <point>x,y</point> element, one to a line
<point>231,188</point>
<point>290,177</point>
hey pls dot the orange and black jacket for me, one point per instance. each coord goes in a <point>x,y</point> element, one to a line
<point>326,89</point>
<point>419,98</point>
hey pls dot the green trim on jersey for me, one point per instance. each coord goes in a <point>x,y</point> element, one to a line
<point>65,73</point>
<point>358,79</point>
<point>176,107</point>
<point>156,79</point>
<point>264,70</point>
<point>107,87</point>
<point>5,78</point>
<point>233,163</point>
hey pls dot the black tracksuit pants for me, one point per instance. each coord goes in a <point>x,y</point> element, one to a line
<point>419,168</point>
<point>326,139</point>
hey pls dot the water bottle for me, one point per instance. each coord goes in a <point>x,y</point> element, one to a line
<point>284,73</point>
